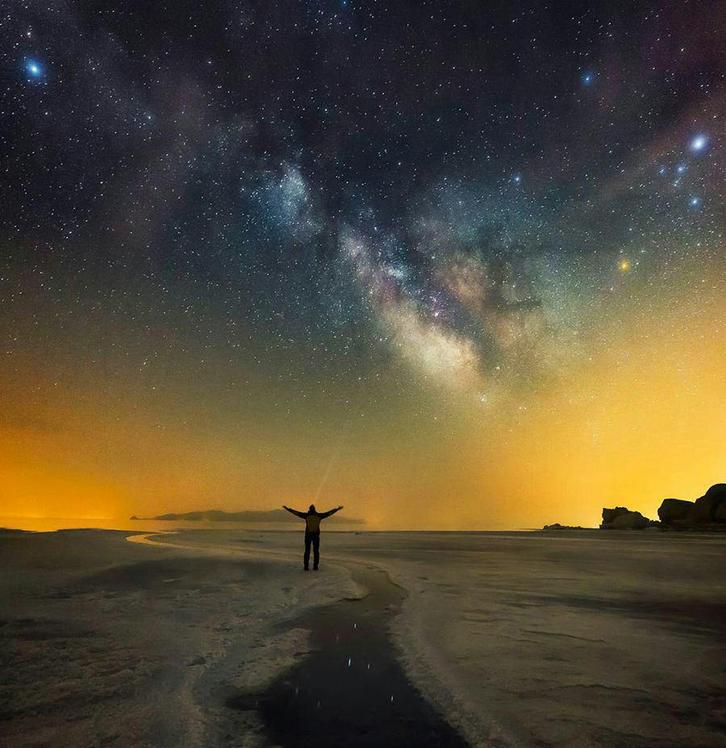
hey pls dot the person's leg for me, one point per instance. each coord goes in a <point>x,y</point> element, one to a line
<point>316,550</point>
<point>306,558</point>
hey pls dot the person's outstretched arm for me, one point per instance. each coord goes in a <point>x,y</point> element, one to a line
<point>294,511</point>
<point>323,515</point>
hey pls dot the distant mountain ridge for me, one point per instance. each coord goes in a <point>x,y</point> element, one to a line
<point>217,515</point>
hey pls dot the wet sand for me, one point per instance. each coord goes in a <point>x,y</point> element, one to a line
<point>350,690</point>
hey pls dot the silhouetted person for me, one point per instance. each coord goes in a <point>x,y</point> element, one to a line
<point>312,531</point>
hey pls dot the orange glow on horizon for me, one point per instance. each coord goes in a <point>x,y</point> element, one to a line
<point>639,420</point>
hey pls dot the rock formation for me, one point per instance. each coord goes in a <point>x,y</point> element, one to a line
<point>711,507</point>
<point>674,510</point>
<point>621,518</point>
<point>707,512</point>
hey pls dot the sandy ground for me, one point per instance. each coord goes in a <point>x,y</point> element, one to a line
<point>519,639</point>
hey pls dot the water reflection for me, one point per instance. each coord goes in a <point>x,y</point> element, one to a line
<point>328,699</point>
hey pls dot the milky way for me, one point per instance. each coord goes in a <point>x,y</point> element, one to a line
<point>357,203</point>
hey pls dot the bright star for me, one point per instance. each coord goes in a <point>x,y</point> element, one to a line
<point>681,168</point>
<point>33,68</point>
<point>695,202</point>
<point>624,265</point>
<point>698,143</point>
<point>517,178</point>
<point>587,78</point>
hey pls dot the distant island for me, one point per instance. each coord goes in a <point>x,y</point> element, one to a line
<point>217,515</point>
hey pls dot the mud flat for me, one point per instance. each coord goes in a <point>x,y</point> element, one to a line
<point>105,642</point>
<point>587,638</point>
<point>219,639</point>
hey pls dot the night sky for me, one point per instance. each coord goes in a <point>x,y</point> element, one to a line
<point>451,264</point>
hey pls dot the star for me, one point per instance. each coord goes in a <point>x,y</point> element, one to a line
<point>34,69</point>
<point>698,143</point>
<point>625,265</point>
<point>587,78</point>
<point>695,202</point>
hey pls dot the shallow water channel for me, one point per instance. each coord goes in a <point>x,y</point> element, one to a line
<point>350,690</point>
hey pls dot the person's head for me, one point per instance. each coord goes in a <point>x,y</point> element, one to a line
<point>312,508</point>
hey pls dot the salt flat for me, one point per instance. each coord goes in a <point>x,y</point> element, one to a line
<point>567,639</point>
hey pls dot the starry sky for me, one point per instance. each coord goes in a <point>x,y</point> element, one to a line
<point>454,265</point>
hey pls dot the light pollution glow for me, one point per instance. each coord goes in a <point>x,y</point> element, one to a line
<point>631,425</point>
